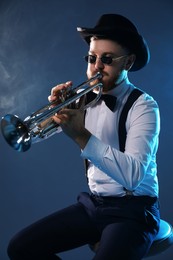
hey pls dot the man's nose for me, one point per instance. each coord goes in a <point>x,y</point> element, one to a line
<point>99,64</point>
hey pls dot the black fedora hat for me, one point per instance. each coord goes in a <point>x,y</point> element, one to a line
<point>118,28</point>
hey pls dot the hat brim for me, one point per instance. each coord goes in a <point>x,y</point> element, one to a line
<point>133,41</point>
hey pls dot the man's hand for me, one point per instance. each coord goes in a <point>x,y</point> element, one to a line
<point>70,120</point>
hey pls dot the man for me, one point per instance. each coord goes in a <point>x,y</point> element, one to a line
<point>121,210</point>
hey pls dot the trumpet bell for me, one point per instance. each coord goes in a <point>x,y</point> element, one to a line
<point>15,133</point>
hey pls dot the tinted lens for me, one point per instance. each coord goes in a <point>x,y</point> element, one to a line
<point>106,60</point>
<point>90,58</point>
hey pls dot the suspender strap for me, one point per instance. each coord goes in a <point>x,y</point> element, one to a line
<point>122,121</point>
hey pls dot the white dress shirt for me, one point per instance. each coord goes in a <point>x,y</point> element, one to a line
<point>109,170</point>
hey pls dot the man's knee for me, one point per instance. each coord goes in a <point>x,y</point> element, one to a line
<point>13,249</point>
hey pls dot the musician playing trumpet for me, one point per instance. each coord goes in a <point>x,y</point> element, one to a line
<point>120,212</point>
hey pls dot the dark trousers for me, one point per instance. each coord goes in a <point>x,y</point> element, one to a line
<point>124,226</point>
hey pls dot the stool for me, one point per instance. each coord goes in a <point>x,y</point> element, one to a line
<point>162,241</point>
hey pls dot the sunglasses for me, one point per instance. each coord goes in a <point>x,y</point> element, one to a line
<point>108,60</point>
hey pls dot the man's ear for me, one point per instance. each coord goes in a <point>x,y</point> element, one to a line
<point>129,62</point>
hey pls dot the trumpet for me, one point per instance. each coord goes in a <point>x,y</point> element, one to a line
<point>20,134</point>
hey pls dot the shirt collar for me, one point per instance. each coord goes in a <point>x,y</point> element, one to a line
<point>121,89</point>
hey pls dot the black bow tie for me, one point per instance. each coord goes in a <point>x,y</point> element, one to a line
<point>109,100</point>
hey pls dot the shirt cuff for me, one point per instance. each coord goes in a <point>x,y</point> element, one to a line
<point>94,150</point>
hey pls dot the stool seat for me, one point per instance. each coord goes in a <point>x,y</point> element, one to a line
<point>162,241</point>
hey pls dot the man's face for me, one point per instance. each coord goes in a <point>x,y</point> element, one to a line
<point>112,73</point>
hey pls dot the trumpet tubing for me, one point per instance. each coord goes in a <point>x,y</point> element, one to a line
<point>20,134</point>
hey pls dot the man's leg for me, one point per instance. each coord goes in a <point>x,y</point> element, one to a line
<point>127,240</point>
<point>61,231</point>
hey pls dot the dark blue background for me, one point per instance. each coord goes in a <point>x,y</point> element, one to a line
<point>39,47</point>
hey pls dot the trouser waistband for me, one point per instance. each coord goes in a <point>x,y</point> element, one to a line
<point>148,200</point>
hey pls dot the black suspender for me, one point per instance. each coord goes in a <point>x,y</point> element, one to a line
<point>122,121</point>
